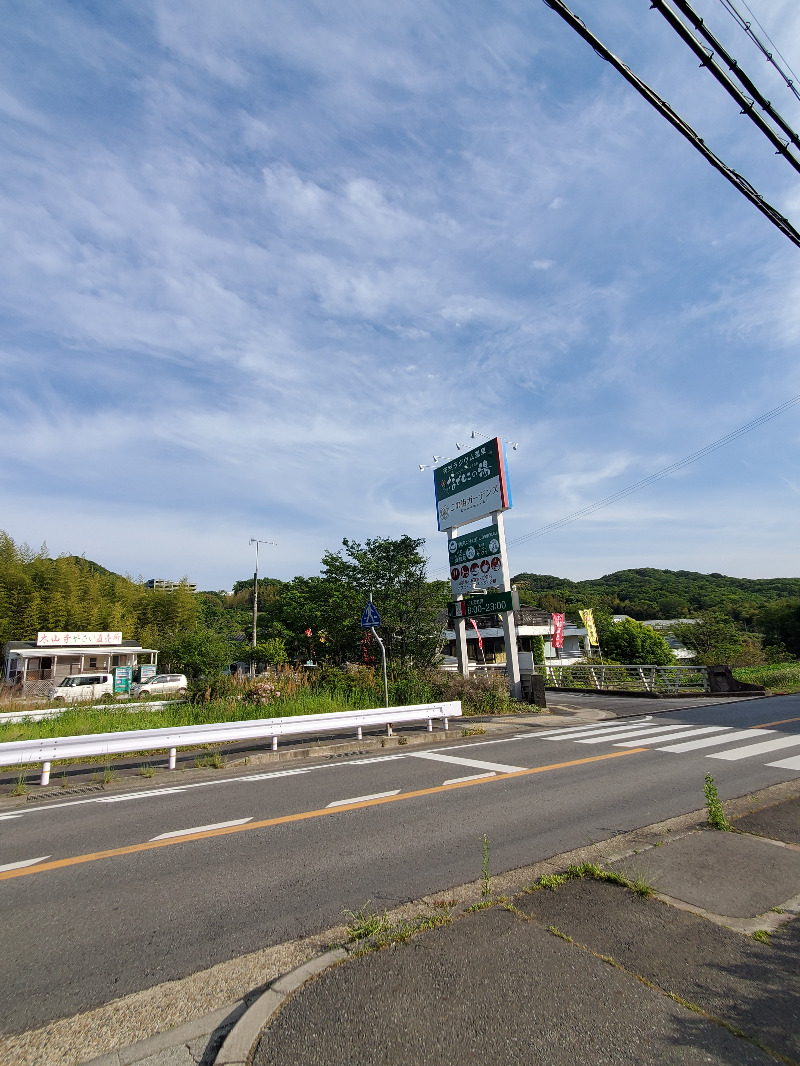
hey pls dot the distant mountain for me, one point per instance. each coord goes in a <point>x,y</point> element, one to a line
<point>651,593</point>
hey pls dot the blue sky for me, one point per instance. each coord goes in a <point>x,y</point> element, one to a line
<point>262,259</point>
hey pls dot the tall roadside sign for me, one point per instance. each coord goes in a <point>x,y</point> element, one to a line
<point>471,487</point>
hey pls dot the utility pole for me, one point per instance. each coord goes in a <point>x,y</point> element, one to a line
<point>254,540</point>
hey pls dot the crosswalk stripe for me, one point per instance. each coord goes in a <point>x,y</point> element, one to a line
<point>787,764</point>
<point>574,734</point>
<point>662,738</point>
<point>756,749</point>
<point>651,735</point>
<point>500,768</point>
<point>709,742</point>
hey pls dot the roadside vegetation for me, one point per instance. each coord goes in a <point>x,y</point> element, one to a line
<point>284,693</point>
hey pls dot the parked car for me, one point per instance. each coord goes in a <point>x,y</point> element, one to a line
<point>161,683</point>
<point>82,687</point>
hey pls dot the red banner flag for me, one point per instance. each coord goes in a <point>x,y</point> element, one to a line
<point>558,631</point>
<point>475,627</point>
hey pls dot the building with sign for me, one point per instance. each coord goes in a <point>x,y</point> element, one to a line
<point>36,665</point>
<point>530,623</point>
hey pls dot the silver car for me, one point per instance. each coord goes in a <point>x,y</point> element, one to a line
<point>161,684</point>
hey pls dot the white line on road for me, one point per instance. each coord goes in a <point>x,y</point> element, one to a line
<point>710,742</point>
<point>25,862</point>
<point>787,764</point>
<point>139,795</point>
<point>472,777</point>
<point>660,737</point>
<point>499,768</point>
<point>643,734</point>
<point>756,749</point>
<point>361,799</point>
<point>201,829</point>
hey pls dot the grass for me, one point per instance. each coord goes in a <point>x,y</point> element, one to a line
<point>374,931</point>
<point>761,935</point>
<point>638,885</point>
<point>486,878</point>
<point>714,810</point>
<point>21,787</point>
<point>146,770</point>
<point>779,677</point>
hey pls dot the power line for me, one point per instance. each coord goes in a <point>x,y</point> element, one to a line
<point>736,179</point>
<point>748,29</point>
<point>688,460</point>
<point>707,60</point>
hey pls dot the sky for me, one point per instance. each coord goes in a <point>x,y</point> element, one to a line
<point>263,259</point>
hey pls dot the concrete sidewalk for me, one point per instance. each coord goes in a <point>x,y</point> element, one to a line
<point>585,970</point>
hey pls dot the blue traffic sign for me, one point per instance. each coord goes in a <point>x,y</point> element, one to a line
<point>370,616</point>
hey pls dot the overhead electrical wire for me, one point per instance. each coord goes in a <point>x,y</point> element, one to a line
<point>637,486</point>
<point>736,179</point>
<point>730,7</point>
<point>688,460</point>
<point>707,60</point>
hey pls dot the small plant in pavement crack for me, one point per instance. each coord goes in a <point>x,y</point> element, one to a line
<point>715,812</point>
<point>21,786</point>
<point>486,888</point>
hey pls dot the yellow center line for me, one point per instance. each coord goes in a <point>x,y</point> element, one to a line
<point>149,845</point>
<point>781,721</point>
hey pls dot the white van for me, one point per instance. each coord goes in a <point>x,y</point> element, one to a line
<point>82,687</point>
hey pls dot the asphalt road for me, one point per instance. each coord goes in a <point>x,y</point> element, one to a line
<point>114,904</point>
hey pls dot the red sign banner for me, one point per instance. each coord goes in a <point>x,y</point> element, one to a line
<point>480,638</point>
<point>558,631</point>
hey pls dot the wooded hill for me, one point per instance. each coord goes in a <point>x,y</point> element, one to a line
<point>650,593</point>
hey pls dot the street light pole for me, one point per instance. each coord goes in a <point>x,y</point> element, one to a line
<point>256,541</point>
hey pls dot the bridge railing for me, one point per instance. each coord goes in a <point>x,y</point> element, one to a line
<point>660,679</point>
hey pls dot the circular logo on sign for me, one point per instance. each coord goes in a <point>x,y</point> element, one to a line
<point>465,570</point>
<point>455,573</point>
<point>485,566</point>
<point>470,552</point>
<point>494,545</point>
<point>454,547</point>
<point>495,563</point>
<point>474,568</point>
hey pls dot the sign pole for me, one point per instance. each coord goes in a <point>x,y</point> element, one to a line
<point>460,624</point>
<point>370,615</point>
<point>509,625</point>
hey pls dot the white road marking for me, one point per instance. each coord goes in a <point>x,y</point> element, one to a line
<point>376,758</point>
<point>756,749</point>
<point>8,817</point>
<point>602,734</point>
<point>472,777</point>
<point>201,829</point>
<point>660,737</point>
<point>139,795</point>
<point>710,742</point>
<point>25,862</point>
<point>499,768</point>
<point>787,764</point>
<point>643,734</point>
<point>362,799</point>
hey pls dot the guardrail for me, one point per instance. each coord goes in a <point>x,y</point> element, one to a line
<point>48,749</point>
<point>673,679</point>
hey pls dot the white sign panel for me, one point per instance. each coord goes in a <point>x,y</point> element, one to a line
<point>77,639</point>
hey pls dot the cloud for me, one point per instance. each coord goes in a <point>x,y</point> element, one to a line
<point>261,261</point>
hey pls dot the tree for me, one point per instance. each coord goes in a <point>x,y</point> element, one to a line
<point>780,626</point>
<point>198,653</point>
<point>630,642</point>
<point>330,605</point>
<point>716,639</point>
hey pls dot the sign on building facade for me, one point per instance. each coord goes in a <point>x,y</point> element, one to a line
<point>77,639</point>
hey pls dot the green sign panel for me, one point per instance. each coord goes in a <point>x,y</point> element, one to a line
<point>472,485</point>
<point>493,603</point>
<point>122,679</point>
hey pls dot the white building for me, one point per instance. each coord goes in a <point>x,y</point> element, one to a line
<point>530,623</point>
<point>38,664</point>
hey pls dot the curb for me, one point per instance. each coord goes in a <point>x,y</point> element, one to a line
<point>241,1041</point>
